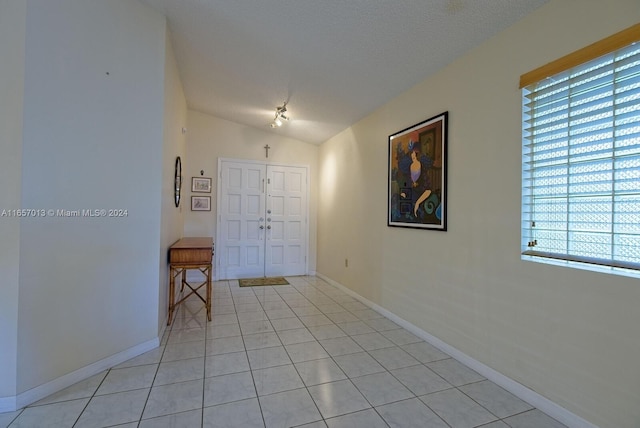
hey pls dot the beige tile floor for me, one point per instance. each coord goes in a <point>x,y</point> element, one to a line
<point>299,355</point>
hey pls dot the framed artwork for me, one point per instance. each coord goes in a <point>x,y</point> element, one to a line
<point>201,203</point>
<point>417,193</point>
<point>201,184</point>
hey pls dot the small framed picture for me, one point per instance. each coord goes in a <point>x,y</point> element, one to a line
<point>201,184</point>
<point>201,203</point>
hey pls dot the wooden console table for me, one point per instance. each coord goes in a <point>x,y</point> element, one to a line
<point>185,254</point>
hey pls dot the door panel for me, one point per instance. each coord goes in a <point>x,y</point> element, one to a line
<point>286,246</point>
<point>240,213</point>
<point>262,220</point>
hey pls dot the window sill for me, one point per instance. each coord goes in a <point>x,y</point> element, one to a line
<point>632,273</point>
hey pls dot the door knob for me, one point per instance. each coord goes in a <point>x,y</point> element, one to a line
<point>261,226</point>
<point>269,227</point>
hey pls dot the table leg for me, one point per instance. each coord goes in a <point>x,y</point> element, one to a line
<point>172,284</point>
<point>209,292</point>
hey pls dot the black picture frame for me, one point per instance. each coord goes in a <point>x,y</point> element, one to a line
<point>201,184</point>
<point>417,175</point>
<point>201,203</point>
<point>177,181</point>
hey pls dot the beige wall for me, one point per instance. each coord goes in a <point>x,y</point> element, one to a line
<point>210,138</point>
<point>570,335</point>
<point>174,144</point>
<point>12,41</point>
<point>92,139</point>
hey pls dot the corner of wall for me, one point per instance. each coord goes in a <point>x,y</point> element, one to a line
<point>12,50</point>
<point>174,144</point>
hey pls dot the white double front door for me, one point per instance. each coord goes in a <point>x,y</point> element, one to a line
<point>262,225</point>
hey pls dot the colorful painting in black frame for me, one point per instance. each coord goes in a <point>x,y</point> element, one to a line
<point>417,193</point>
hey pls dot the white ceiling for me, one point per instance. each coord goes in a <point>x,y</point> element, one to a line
<point>334,61</point>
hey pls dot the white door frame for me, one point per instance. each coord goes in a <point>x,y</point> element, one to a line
<point>216,270</point>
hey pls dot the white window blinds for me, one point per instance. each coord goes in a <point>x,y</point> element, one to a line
<point>581,163</point>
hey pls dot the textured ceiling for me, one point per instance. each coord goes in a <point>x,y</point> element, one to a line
<point>334,61</point>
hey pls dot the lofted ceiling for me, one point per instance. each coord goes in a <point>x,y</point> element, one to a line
<point>333,61</point>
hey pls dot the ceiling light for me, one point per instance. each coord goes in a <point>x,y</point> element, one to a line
<point>280,116</point>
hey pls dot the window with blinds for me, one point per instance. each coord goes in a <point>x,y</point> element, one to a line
<point>581,162</point>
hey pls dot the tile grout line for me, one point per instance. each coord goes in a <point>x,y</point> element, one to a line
<point>306,297</point>
<point>298,372</point>
<point>146,401</point>
<point>91,398</point>
<point>396,345</point>
<point>255,387</point>
<point>348,378</point>
<point>331,356</point>
<point>204,363</point>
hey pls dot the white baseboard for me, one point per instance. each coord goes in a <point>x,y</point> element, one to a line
<point>10,404</point>
<point>163,327</point>
<point>536,400</point>
<point>7,404</point>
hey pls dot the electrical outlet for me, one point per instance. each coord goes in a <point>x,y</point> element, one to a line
<point>346,262</point>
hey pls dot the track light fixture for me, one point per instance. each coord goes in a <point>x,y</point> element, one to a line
<point>280,116</point>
